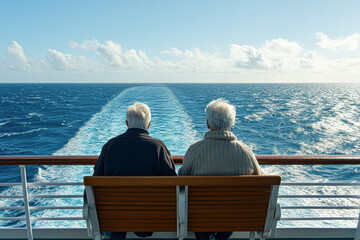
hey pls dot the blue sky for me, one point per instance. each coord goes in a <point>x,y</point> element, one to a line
<point>179,41</point>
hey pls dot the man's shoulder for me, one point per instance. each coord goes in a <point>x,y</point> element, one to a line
<point>240,143</point>
<point>113,140</point>
<point>199,143</point>
<point>196,146</point>
<point>155,141</point>
<point>245,148</point>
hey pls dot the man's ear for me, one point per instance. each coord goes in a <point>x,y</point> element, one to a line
<point>148,125</point>
<point>127,124</point>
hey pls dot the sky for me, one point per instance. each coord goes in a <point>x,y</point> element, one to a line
<point>202,41</point>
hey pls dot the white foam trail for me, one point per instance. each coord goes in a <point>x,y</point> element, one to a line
<point>169,123</point>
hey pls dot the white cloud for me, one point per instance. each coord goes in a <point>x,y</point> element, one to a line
<point>273,59</point>
<point>61,61</point>
<point>346,64</point>
<point>195,61</point>
<point>173,51</point>
<point>276,53</point>
<point>350,43</point>
<point>16,58</point>
<point>114,55</point>
<point>15,53</point>
<point>18,61</point>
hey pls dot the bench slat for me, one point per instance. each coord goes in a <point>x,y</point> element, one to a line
<point>138,213</point>
<point>169,221</point>
<point>135,190</point>
<point>135,203</point>
<point>134,212</point>
<point>136,199</point>
<point>136,229</point>
<point>240,202</point>
<point>223,220</point>
<point>195,189</point>
<point>225,215</point>
<point>127,207</point>
<point>227,206</point>
<point>216,193</point>
<point>137,224</point>
<point>137,194</point>
<point>230,211</point>
<point>223,229</point>
<point>145,217</point>
<point>226,198</point>
<point>227,224</point>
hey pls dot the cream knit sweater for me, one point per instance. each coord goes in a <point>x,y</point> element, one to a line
<point>219,154</point>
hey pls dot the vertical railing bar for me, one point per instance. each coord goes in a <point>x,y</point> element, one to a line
<point>26,202</point>
<point>357,234</point>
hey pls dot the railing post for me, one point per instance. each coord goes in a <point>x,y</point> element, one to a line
<point>26,202</point>
<point>357,234</point>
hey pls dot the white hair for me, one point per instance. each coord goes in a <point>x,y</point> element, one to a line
<point>138,115</point>
<point>220,114</point>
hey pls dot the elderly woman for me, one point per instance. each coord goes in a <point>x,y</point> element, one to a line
<point>219,153</point>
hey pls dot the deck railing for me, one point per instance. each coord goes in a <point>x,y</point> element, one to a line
<point>23,161</point>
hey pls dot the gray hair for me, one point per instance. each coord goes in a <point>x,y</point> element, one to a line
<point>220,114</point>
<point>138,115</point>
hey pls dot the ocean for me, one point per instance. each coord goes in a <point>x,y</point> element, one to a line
<point>279,119</point>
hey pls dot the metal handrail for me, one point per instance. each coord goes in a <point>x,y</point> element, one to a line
<point>22,161</point>
<point>319,218</point>
<point>320,184</point>
<point>320,207</point>
<point>55,184</point>
<point>262,159</point>
<point>319,196</point>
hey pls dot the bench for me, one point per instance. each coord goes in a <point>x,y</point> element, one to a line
<point>182,204</point>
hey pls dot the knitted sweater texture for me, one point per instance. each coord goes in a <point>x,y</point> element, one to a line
<point>219,154</point>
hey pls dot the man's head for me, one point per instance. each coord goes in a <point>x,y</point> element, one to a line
<point>220,115</point>
<point>138,115</point>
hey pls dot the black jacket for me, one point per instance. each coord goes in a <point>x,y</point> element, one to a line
<point>134,153</point>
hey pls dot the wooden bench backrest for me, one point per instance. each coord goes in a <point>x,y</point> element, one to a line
<point>230,203</point>
<point>134,204</point>
<point>215,203</point>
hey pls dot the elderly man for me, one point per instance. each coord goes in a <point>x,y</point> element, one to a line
<point>219,153</point>
<point>135,153</point>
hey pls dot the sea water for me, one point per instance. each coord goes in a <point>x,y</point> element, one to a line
<point>281,119</point>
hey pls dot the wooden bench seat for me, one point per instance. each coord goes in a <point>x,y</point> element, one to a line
<point>182,204</point>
